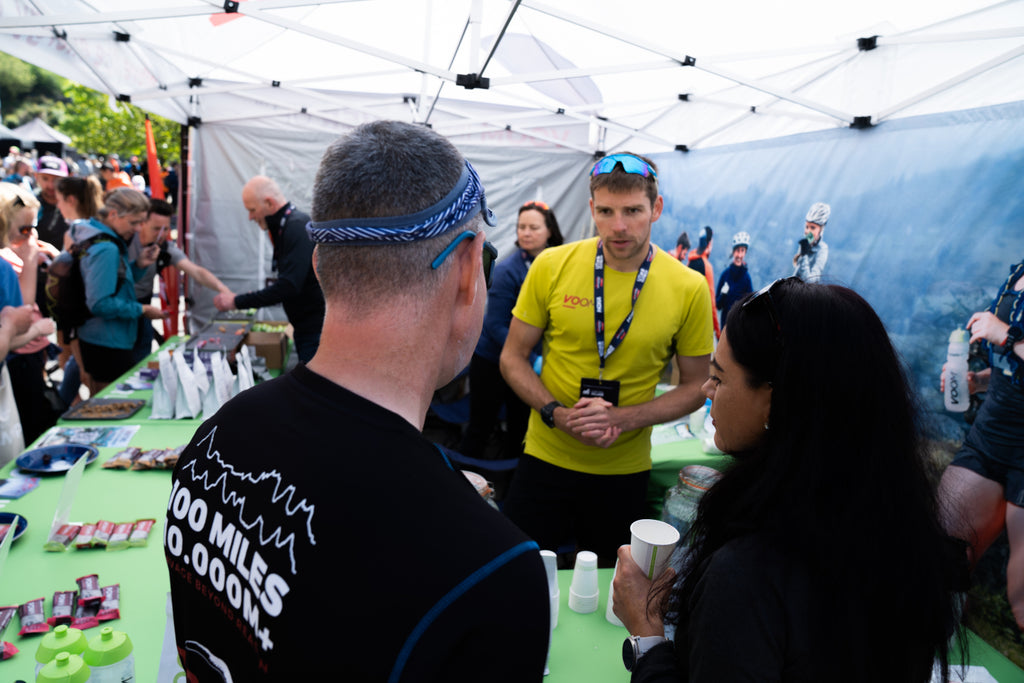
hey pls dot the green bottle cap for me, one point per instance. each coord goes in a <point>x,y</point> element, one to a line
<point>61,639</point>
<point>958,336</point>
<point>65,668</point>
<point>109,647</point>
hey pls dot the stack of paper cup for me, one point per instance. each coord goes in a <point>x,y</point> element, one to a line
<point>652,544</point>
<point>583,591</point>
<point>609,612</point>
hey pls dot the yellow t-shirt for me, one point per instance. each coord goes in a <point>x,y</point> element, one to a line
<point>673,316</point>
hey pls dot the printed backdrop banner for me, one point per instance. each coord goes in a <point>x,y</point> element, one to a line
<point>927,216</point>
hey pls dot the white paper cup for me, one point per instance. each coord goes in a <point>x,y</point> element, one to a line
<point>584,591</point>
<point>609,612</point>
<point>652,544</point>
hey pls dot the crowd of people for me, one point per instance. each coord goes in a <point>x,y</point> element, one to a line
<point>824,537</point>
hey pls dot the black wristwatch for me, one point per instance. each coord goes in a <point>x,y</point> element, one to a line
<point>1013,335</point>
<point>635,647</point>
<point>547,413</point>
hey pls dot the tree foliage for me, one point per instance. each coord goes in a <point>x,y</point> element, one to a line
<point>95,123</point>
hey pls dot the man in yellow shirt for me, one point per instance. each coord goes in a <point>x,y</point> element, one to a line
<point>611,312</point>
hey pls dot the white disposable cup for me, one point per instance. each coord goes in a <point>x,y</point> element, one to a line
<point>652,544</point>
<point>584,591</point>
<point>609,612</point>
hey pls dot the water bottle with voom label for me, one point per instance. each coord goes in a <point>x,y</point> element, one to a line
<point>957,397</point>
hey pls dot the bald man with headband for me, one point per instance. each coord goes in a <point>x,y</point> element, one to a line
<point>330,458</point>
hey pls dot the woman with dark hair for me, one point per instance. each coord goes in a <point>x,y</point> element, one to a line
<point>819,555</point>
<point>79,198</point>
<point>536,229</point>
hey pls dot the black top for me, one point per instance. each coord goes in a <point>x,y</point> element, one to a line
<point>311,531</point>
<point>296,287</point>
<point>50,224</point>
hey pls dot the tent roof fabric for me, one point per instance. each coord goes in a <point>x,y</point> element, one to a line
<point>585,75</point>
<point>38,130</point>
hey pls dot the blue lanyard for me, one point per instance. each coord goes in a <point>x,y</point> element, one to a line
<point>641,277</point>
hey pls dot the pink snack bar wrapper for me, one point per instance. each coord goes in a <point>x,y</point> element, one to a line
<point>140,532</point>
<point>62,608</point>
<point>110,608</point>
<point>33,620</point>
<point>89,589</point>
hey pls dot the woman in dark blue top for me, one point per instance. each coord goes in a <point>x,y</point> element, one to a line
<point>536,229</point>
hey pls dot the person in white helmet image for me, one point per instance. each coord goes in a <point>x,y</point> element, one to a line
<point>734,282</point>
<point>809,262</point>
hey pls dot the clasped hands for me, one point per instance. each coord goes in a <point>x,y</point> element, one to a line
<point>591,421</point>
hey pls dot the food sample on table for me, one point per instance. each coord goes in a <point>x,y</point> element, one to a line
<point>104,409</point>
<point>124,459</point>
<point>86,616</point>
<point>147,460</point>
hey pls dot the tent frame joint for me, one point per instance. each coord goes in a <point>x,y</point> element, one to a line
<point>472,81</point>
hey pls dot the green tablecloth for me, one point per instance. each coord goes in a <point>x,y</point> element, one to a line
<point>586,648</point>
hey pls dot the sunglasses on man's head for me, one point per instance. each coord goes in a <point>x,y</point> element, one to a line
<point>628,162</point>
<point>490,255</point>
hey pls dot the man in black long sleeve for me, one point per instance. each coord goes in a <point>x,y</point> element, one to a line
<point>296,287</point>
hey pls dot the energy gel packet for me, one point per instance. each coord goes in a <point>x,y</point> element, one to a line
<point>140,533</point>
<point>62,608</point>
<point>89,589</point>
<point>110,608</point>
<point>62,537</point>
<point>33,620</point>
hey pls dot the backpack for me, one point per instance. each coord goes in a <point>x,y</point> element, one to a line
<point>65,288</point>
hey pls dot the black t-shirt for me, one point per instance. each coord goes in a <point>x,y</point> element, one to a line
<point>312,531</point>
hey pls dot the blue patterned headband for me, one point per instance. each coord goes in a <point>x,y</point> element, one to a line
<point>464,201</point>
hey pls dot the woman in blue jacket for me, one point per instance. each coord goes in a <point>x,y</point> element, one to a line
<point>536,229</point>
<point>106,339</point>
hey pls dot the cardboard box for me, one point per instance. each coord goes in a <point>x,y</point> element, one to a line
<point>270,345</point>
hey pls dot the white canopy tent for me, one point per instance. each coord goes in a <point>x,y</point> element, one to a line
<point>529,90</point>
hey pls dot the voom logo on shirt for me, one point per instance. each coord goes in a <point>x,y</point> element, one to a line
<point>573,301</point>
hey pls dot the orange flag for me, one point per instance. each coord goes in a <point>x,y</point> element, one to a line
<point>156,179</point>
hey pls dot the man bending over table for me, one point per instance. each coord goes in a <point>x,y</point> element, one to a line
<point>311,505</point>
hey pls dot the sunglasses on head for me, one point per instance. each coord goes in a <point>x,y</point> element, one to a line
<point>628,162</point>
<point>765,295</point>
<point>535,205</point>
<point>490,254</point>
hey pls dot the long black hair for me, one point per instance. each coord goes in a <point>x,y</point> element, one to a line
<point>840,484</point>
